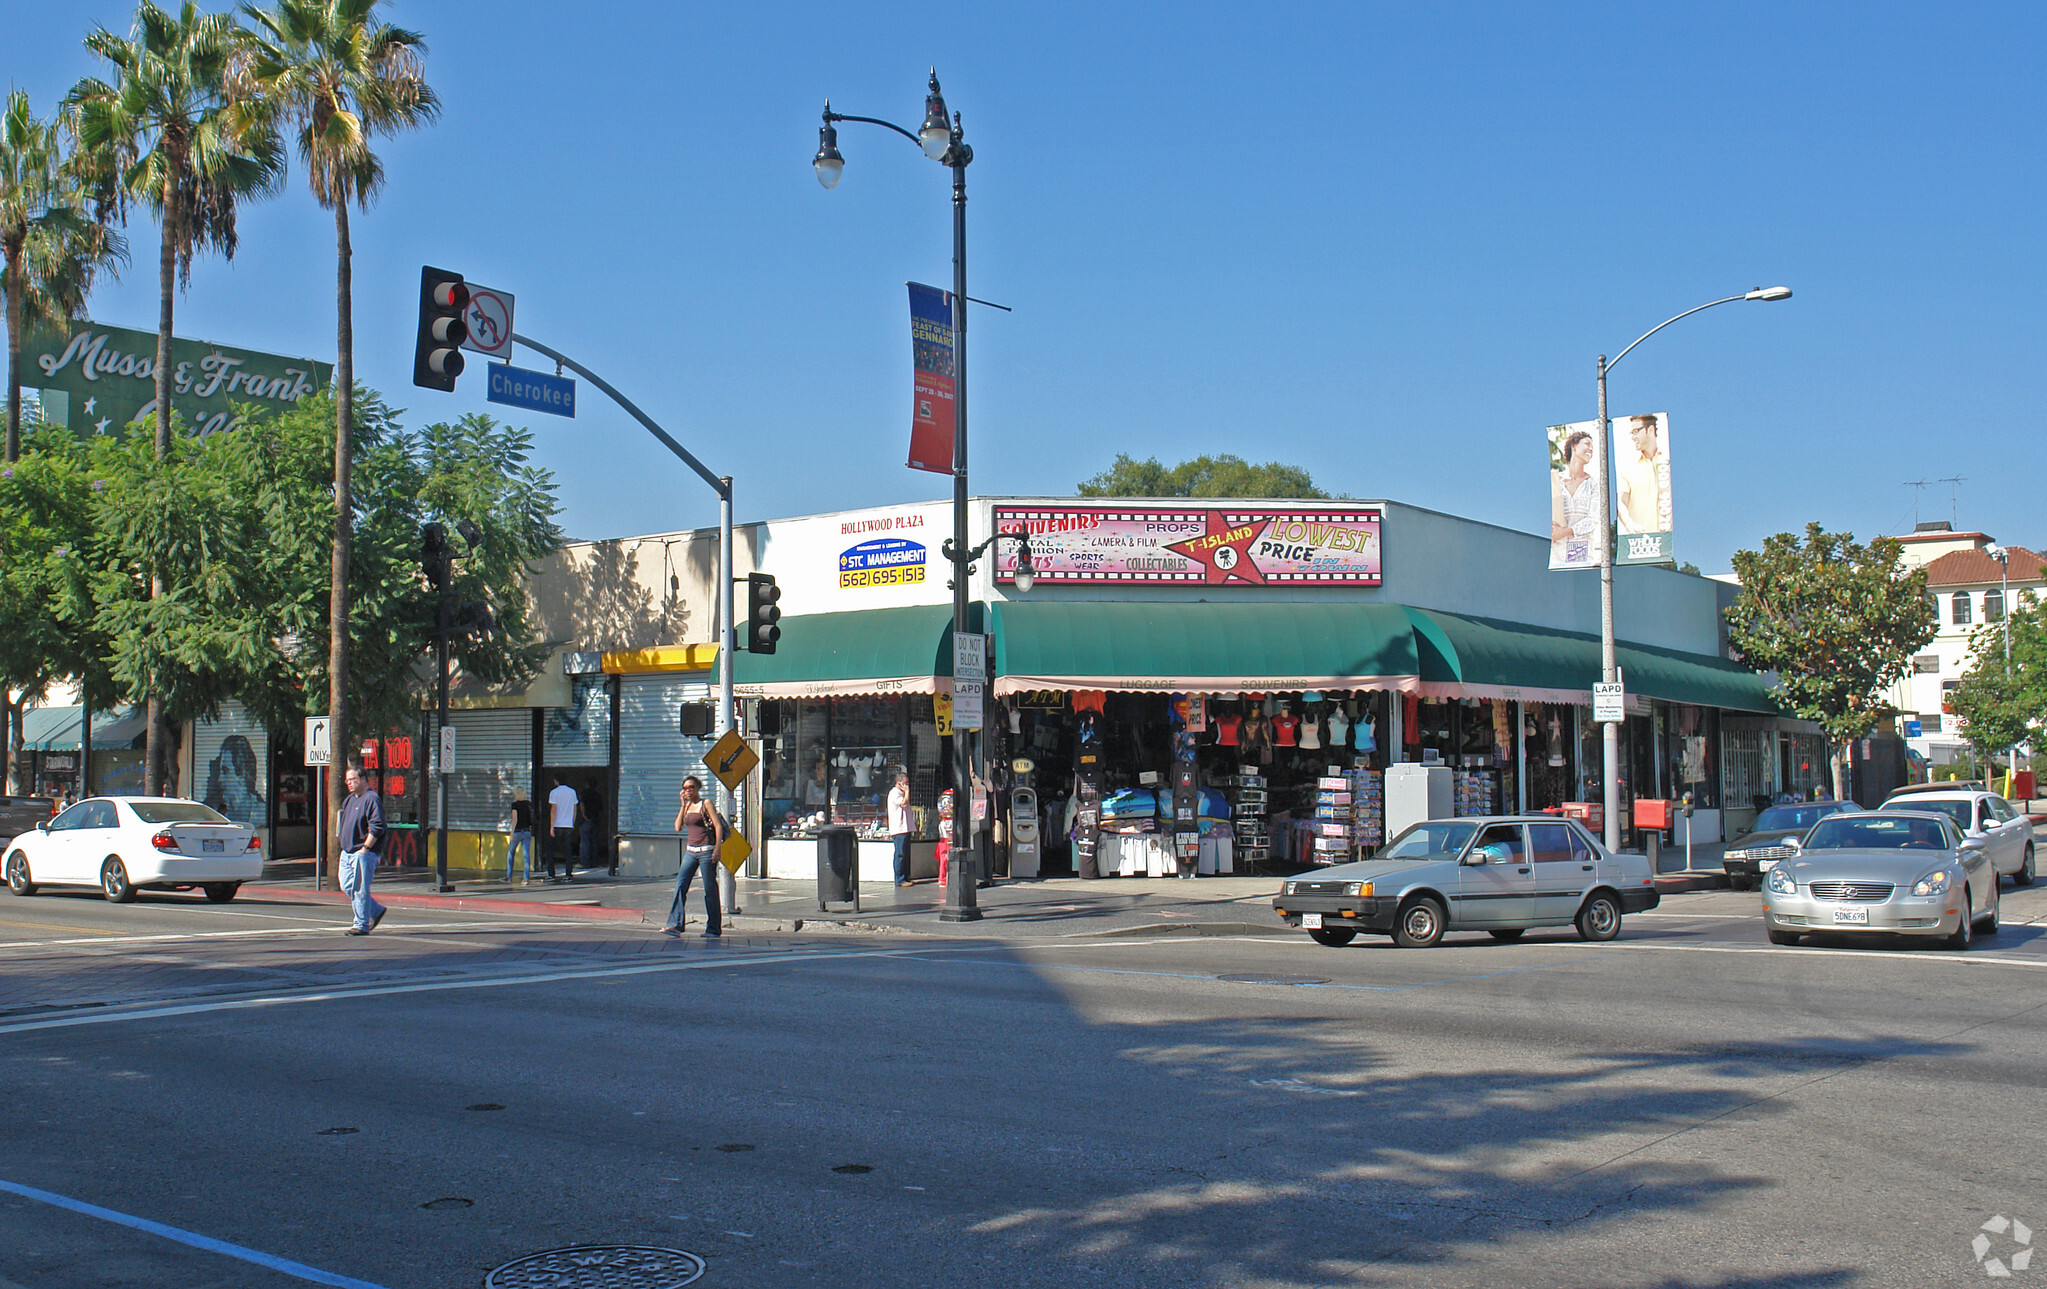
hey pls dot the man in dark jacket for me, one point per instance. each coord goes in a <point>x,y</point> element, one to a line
<point>362,841</point>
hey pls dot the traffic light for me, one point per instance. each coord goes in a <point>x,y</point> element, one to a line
<point>475,618</point>
<point>762,613</point>
<point>434,555</point>
<point>437,354</point>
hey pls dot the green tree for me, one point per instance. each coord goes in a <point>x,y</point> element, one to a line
<point>1216,476</point>
<point>166,133</point>
<point>338,76</point>
<point>2003,703</point>
<point>1837,621</point>
<point>50,249</point>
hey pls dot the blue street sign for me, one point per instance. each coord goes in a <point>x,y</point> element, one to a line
<point>536,391</point>
<point>1912,729</point>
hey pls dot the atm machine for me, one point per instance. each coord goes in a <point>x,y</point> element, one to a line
<point>1023,832</point>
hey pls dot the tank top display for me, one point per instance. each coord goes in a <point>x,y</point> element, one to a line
<point>1368,740</point>
<point>1311,732</point>
<point>1226,730</point>
<point>1339,729</point>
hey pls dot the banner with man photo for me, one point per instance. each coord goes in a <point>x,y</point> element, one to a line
<point>1574,500</point>
<point>1641,474</point>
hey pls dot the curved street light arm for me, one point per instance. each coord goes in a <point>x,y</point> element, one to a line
<point>1661,325</point>
<point>831,116</point>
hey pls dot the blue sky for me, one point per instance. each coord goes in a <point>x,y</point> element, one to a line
<point>1384,242</point>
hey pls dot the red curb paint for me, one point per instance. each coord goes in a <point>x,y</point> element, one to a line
<point>469,904</point>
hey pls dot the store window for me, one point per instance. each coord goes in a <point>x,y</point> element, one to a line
<point>834,761</point>
<point>1993,606</point>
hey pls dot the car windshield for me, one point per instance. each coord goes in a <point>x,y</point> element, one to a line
<point>1962,812</point>
<point>1425,840</point>
<point>1784,818</point>
<point>1876,832</point>
<point>177,812</point>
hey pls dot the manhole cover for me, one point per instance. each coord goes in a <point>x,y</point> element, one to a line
<point>594,1266</point>
<point>486,1105</point>
<point>1261,978</point>
<point>735,1147</point>
<point>853,1168</point>
<point>449,1201</point>
<point>336,1132</point>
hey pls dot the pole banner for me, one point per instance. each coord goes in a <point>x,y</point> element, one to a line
<point>932,412</point>
<point>1574,500</point>
<point>1641,474</point>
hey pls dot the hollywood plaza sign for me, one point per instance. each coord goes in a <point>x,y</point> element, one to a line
<point>99,380</point>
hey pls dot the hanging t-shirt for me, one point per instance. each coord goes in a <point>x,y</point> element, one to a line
<point>1089,700</point>
<point>863,770</point>
<point>1311,732</point>
<point>1284,728</point>
<point>1339,729</point>
<point>1226,730</point>
<point>1368,735</point>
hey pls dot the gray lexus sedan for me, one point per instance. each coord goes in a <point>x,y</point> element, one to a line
<point>1501,875</point>
<point>1896,872</point>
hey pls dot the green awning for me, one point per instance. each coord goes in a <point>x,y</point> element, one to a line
<point>868,651</point>
<point>1484,658</point>
<point>1201,648</point>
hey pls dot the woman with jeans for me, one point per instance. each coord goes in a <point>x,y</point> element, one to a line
<point>702,832</point>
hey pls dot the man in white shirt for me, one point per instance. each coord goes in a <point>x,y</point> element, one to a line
<point>899,824</point>
<point>565,810</point>
<point>1644,477</point>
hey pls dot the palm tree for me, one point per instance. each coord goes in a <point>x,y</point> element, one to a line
<point>337,74</point>
<point>49,249</point>
<point>166,134</point>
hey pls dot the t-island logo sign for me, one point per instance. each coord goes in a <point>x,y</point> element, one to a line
<point>2017,1241</point>
<point>1337,546</point>
<point>885,561</point>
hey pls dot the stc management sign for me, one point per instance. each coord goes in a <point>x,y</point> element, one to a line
<point>882,561</point>
<point>1254,546</point>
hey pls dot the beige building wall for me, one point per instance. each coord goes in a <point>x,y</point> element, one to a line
<point>637,592</point>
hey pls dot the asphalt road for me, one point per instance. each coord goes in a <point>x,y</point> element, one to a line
<point>1686,1106</point>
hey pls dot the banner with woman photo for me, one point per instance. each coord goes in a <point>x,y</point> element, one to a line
<point>1574,500</point>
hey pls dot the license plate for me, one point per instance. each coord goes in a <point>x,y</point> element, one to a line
<point>1311,921</point>
<point>1851,917</point>
<point>212,846</point>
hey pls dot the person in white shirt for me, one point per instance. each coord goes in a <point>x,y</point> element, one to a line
<point>565,810</point>
<point>899,824</point>
<point>1644,481</point>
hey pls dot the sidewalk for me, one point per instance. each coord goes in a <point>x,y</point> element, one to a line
<point>1048,908</point>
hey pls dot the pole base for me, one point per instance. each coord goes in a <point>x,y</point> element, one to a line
<point>959,915</point>
<point>443,888</point>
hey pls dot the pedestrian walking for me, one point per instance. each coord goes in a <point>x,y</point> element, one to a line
<point>564,810</point>
<point>702,831</point>
<point>522,841</point>
<point>362,834</point>
<point>899,824</point>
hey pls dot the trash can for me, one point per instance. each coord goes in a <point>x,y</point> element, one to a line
<point>838,866</point>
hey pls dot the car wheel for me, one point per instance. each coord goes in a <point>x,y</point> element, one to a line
<point>1967,930</point>
<point>2024,877</point>
<point>221,892</point>
<point>1509,933</point>
<point>1334,936</point>
<point>114,883</point>
<point>1783,937</point>
<point>1420,924</point>
<point>1989,924</point>
<point>18,879</point>
<point>1600,919</point>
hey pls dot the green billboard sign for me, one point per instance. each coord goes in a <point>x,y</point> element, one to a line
<point>98,380</point>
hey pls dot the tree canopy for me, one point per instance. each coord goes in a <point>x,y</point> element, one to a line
<point>1836,620</point>
<point>1204,476</point>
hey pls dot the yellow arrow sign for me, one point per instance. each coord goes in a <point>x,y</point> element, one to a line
<point>734,851</point>
<point>731,760</point>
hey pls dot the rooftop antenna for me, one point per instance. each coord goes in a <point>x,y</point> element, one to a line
<point>1917,486</point>
<point>1954,483</point>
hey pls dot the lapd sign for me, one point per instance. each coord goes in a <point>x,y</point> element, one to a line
<point>98,380</point>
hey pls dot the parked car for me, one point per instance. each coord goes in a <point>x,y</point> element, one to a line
<point>1883,872</point>
<point>21,814</point>
<point>2007,834</point>
<point>1500,874</point>
<point>1748,857</point>
<point>127,844</point>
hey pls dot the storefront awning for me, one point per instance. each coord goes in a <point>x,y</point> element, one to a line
<point>1467,657</point>
<point>1202,648</point>
<point>868,651</point>
<point>58,729</point>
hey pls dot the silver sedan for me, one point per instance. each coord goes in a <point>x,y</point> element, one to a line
<point>1895,872</point>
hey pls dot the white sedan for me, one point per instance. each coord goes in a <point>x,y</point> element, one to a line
<point>126,844</point>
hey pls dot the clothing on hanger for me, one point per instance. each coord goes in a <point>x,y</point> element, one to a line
<point>1285,728</point>
<point>1226,730</point>
<point>1339,728</point>
<point>1311,730</point>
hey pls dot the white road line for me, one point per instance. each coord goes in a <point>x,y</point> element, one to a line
<point>324,929</point>
<point>1939,957</point>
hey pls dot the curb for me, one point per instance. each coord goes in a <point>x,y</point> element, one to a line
<point>1698,880</point>
<point>467,904</point>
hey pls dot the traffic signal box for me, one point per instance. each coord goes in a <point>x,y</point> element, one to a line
<point>437,354</point>
<point>762,613</point>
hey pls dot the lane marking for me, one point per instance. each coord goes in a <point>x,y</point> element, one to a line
<point>1213,979</point>
<point>55,926</point>
<point>285,933</point>
<point>297,1270</point>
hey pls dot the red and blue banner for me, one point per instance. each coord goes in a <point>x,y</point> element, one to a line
<point>932,418</point>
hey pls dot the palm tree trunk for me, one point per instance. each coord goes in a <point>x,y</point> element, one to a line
<point>13,357</point>
<point>156,737</point>
<point>337,593</point>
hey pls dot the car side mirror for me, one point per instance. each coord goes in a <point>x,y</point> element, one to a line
<point>1488,854</point>
<point>42,825</point>
<point>1972,843</point>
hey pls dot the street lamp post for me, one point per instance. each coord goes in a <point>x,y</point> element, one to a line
<point>1609,669</point>
<point>2003,558</point>
<point>940,138</point>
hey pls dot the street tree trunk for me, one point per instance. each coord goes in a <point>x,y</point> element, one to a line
<point>337,593</point>
<point>13,356</point>
<point>156,737</point>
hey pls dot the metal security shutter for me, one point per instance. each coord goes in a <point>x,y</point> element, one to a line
<point>580,734</point>
<point>493,763</point>
<point>652,757</point>
<point>231,765</point>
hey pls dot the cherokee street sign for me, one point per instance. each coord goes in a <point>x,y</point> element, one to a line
<point>534,391</point>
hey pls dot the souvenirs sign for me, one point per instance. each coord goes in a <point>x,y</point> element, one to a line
<point>1254,546</point>
<point>107,377</point>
